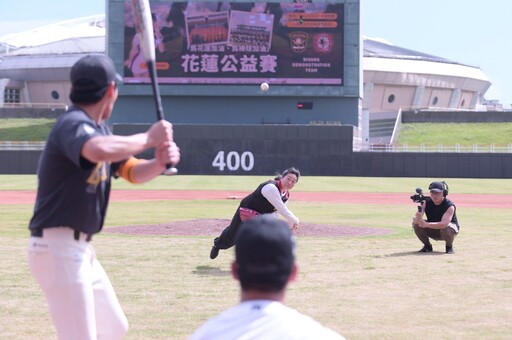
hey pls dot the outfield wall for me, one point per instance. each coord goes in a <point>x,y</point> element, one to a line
<point>316,150</point>
<point>258,149</point>
<point>19,162</point>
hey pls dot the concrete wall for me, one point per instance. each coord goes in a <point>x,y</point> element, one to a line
<point>440,165</point>
<point>237,110</point>
<point>19,162</point>
<point>315,150</point>
<point>6,112</point>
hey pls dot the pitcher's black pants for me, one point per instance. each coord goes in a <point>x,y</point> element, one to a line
<point>227,237</point>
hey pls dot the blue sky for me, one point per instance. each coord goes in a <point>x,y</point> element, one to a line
<point>469,32</point>
<point>20,15</point>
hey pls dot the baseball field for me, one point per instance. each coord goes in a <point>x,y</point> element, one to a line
<point>359,270</point>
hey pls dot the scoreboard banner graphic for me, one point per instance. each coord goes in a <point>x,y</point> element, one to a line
<point>283,43</point>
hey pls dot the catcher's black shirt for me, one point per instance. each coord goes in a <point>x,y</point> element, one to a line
<point>435,212</point>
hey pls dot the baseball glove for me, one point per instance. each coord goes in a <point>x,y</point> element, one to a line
<point>246,214</point>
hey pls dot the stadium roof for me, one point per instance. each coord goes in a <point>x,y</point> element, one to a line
<point>61,44</point>
<point>91,26</point>
<point>46,53</point>
<point>70,36</point>
<point>378,48</point>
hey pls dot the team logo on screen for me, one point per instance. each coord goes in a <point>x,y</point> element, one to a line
<point>323,42</point>
<point>298,41</point>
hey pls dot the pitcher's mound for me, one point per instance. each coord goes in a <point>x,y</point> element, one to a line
<point>213,227</point>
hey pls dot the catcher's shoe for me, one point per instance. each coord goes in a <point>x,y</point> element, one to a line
<point>426,249</point>
<point>449,250</point>
<point>214,252</point>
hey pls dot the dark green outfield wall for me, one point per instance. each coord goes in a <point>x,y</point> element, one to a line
<point>315,150</point>
<point>260,149</point>
<point>16,162</point>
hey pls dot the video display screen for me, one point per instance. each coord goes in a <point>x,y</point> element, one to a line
<point>284,43</point>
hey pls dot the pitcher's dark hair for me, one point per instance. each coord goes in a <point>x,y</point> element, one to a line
<point>291,170</point>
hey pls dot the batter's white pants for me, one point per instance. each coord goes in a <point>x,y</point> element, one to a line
<point>81,299</point>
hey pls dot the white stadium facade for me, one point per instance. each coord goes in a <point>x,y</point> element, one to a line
<point>34,71</point>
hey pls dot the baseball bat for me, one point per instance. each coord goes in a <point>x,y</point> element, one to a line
<point>144,26</point>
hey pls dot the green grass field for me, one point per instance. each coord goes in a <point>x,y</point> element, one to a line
<point>363,287</point>
<point>465,134</point>
<point>25,129</point>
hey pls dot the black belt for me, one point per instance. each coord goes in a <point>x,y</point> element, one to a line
<point>76,234</point>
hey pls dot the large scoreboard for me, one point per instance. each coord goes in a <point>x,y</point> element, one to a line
<point>283,43</point>
<point>212,56</point>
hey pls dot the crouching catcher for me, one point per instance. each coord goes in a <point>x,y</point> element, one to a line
<point>441,222</point>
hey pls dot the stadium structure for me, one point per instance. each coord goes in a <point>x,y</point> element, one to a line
<point>34,72</point>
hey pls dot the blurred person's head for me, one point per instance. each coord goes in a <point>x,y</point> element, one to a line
<point>264,255</point>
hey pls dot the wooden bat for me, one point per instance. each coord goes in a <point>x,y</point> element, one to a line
<point>144,26</point>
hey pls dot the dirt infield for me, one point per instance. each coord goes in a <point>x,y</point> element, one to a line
<point>213,227</point>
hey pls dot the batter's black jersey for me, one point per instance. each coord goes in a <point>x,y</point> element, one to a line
<point>257,202</point>
<point>435,212</point>
<point>72,191</point>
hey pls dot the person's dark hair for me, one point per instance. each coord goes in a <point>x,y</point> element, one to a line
<point>291,170</point>
<point>269,286</point>
<point>87,97</point>
<point>265,254</point>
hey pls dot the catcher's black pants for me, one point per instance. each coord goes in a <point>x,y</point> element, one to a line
<point>227,237</point>
<point>447,234</point>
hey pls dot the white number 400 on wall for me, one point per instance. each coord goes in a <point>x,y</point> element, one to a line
<point>234,161</point>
